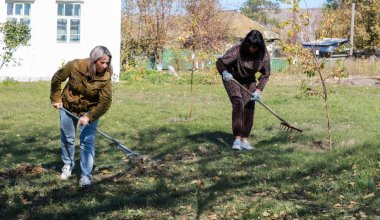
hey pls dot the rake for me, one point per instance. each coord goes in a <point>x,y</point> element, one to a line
<point>119,145</point>
<point>284,124</point>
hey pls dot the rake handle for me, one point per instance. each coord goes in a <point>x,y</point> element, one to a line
<point>117,143</point>
<point>265,106</point>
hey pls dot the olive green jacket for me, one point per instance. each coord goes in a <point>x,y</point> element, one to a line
<point>81,94</point>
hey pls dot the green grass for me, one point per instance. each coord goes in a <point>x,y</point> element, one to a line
<point>200,177</point>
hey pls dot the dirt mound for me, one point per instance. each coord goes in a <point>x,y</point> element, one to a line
<point>357,81</point>
<point>21,170</point>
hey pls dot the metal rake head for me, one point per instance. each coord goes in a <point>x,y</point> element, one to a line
<point>288,127</point>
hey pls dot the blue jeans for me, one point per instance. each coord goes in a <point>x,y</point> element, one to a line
<point>86,137</point>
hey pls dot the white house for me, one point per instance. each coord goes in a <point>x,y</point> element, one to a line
<point>61,30</point>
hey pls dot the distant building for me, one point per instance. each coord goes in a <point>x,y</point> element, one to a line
<point>328,47</point>
<point>240,25</point>
<point>61,30</point>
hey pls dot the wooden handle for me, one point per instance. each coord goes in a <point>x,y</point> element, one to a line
<point>265,106</point>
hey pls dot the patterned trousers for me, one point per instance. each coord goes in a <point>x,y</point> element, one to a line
<point>243,108</point>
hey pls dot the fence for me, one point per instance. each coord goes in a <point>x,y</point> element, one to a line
<point>279,64</point>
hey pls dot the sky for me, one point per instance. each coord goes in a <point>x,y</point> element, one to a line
<point>235,4</point>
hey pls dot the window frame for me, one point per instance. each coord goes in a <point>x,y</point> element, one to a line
<point>66,20</point>
<point>24,16</point>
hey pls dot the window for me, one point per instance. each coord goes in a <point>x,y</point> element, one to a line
<point>68,22</point>
<point>18,12</point>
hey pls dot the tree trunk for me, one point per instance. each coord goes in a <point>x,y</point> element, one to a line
<point>159,58</point>
<point>325,101</point>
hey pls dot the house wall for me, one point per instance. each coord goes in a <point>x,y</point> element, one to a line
<point>100,25</point>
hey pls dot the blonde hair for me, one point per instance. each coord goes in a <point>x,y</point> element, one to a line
<point>95,55</point>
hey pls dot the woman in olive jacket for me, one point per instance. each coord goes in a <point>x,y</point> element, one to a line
<point>242,62</point>
<point>88,95</point>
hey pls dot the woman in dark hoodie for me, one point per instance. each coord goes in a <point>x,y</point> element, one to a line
<point>241,62</point>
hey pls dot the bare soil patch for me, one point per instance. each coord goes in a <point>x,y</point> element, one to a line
<point>356,81</point>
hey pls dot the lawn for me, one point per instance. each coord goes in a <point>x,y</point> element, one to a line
<point>194,173</point>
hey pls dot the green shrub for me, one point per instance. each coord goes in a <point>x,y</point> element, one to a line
<point>9,81</point>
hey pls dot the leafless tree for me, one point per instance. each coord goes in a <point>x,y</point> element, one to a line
<point>146,25</point>
<point>206,30</point>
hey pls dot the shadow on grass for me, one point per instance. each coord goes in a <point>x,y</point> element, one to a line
<point>30,147</point>
<point>202,170</point>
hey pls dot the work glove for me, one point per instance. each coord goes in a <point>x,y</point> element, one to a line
<point>226,76</point>
<point>256,95</point>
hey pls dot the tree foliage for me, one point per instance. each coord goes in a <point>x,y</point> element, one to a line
<point>205,31</point>
<point>145,27</point>
<point>258,10</point>
<point>150,26</point>
<point>14,36</point>
<point>332,4</point>
<point>298,25</point>
<point>337,23</point>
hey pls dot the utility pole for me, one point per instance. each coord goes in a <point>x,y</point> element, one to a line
<point>352,29</point>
